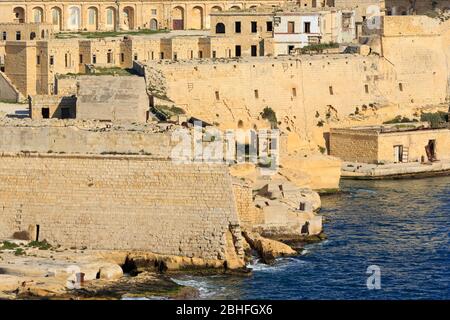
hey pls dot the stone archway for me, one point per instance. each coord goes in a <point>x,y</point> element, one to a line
<point>38,14</point>
<point>92,19</point>
<point>56,18</point>
<point>197,18</point>
<point>153,24</point>
<point>178,18</point>
<point>128,18</point>
<point>216,9</point>
<point>19,14</point>
<point>74,21</point>
<point>110,21</point>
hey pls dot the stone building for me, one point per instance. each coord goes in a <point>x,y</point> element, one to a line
<point>278,30</point>
<point>71,15</point>
<point>386,144</point>
<point>297,28</point>
<point>25,31</point>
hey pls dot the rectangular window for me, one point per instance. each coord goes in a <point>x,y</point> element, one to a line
<point>400,86</point>
<point>294,92</point>
<point>66,60</point>
<point>269,26</point>
<point>217,95</point>
<point>175,56</point>
<point>256,94</point>
<point>81,58</point>
<point>18,35</point>
<point>200,54</point>
<point>94,58</point>
<point>307,27</point>
<point>192,54</point>
<point>330,89</point>
<point>254,27</point>
<point>366,88</point>
<point>214,54</point>
<point>52,60</point>
<point>237,51</point>
<point>38,59</point>
<point>122,57</point>
<point>237,27</point>
<point>154,12</point>
<point>161,55</point>
<point>153,55</point>
<point>291,27</point>
<point>109,57</point>
<point>135,56</point>
<point>254,50</point>
<point>45,113</point>
<point>4,36</point>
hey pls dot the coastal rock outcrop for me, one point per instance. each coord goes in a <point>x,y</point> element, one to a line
<point>268,249</point>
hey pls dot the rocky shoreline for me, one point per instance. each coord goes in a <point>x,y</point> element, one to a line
<point>38,270</point>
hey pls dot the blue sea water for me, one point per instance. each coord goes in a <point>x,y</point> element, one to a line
<point>400,226</point>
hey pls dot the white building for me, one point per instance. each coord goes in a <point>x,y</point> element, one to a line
<point>299,28</point>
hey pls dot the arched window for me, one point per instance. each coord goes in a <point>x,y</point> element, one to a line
<point>37,14</point>
<point>32,36</point>
<point>153,24</point>
<point>220,28</point>
<point>74,18</point>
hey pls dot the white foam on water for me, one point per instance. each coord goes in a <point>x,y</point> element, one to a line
<point>205,289</point>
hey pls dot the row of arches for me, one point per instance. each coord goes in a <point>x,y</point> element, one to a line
<point>72,19</point>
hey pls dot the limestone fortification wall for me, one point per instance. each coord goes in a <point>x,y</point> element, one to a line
<point>56,136</point>
<point>355,146</point>
<point>249,214</point>
<point>305,91</point>
<point>107,202</point>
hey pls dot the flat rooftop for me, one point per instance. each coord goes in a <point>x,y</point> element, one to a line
<point>390,128</point>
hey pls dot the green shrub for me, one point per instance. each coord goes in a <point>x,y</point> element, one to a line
<point>270,115</point>
<point>6,245</point>
<point>436,119</point>
<point>42,245</point>
<point>19,252</point>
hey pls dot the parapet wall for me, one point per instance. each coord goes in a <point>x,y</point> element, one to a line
<point>77,137</point>
<point>117,202</point>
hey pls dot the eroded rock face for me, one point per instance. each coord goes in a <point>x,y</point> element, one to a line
<point>111,272</point>
<point>268,249</point>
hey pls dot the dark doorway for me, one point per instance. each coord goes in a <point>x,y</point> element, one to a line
<point>37,232</point>
<point>254,50</point>
<point>238,51</point>
<point>431,150</point>
<point>45,113</point>
<point>178,24</point>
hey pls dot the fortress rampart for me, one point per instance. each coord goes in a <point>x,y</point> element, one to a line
<point>120,202</point>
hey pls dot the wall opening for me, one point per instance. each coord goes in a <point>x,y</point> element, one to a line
<point>330,88</point>
<point>254,51</point>
<point>45,113</point>
<point>37,232</point>
<point>238,51</point>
